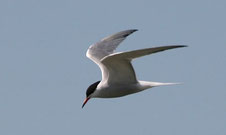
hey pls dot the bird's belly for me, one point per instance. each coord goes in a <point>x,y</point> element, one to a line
<point>116,91</point>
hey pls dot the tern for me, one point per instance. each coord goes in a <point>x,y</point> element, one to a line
<point>118,76</point>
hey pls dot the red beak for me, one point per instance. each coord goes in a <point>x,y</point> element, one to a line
<point>85,101</point>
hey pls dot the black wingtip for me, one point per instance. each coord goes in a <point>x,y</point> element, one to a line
<point>129,32</point>
<point>133,30</point>
<point>184,45</point>
<point>178,46</point>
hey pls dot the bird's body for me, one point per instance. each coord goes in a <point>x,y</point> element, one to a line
<point>119,90</point>
<point>118,76</point>
<point>123,89</point>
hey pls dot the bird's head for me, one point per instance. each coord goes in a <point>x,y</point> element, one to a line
<point>90,90</point>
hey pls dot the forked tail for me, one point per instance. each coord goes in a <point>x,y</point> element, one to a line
<point>155,84</point>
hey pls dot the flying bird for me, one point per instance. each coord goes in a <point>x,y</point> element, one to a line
<point>118,75</point>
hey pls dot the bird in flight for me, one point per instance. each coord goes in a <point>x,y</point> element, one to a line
<point>118,76</point>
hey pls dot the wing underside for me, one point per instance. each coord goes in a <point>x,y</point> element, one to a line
<point>118,67</point>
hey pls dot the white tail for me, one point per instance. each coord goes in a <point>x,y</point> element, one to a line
<point>162,84</point>
<point>155,84</point>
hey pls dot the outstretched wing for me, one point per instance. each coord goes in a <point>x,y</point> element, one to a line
<point>117,67</point>
<point>107,45</point>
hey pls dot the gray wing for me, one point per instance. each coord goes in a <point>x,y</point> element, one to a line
<point>107,45</point>
<point>117,67</point>
<point>142,52</point>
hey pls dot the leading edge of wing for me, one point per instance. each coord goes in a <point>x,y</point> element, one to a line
<point>139,53</point>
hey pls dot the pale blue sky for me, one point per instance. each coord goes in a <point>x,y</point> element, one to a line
<point>44,72</point>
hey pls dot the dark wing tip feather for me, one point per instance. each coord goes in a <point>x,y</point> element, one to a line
<point>172,47</point>
<point>163,48</point>
<point>126,33</point>
<point>118,35</point>
<point>129,32</point>
<point>181,46</point>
